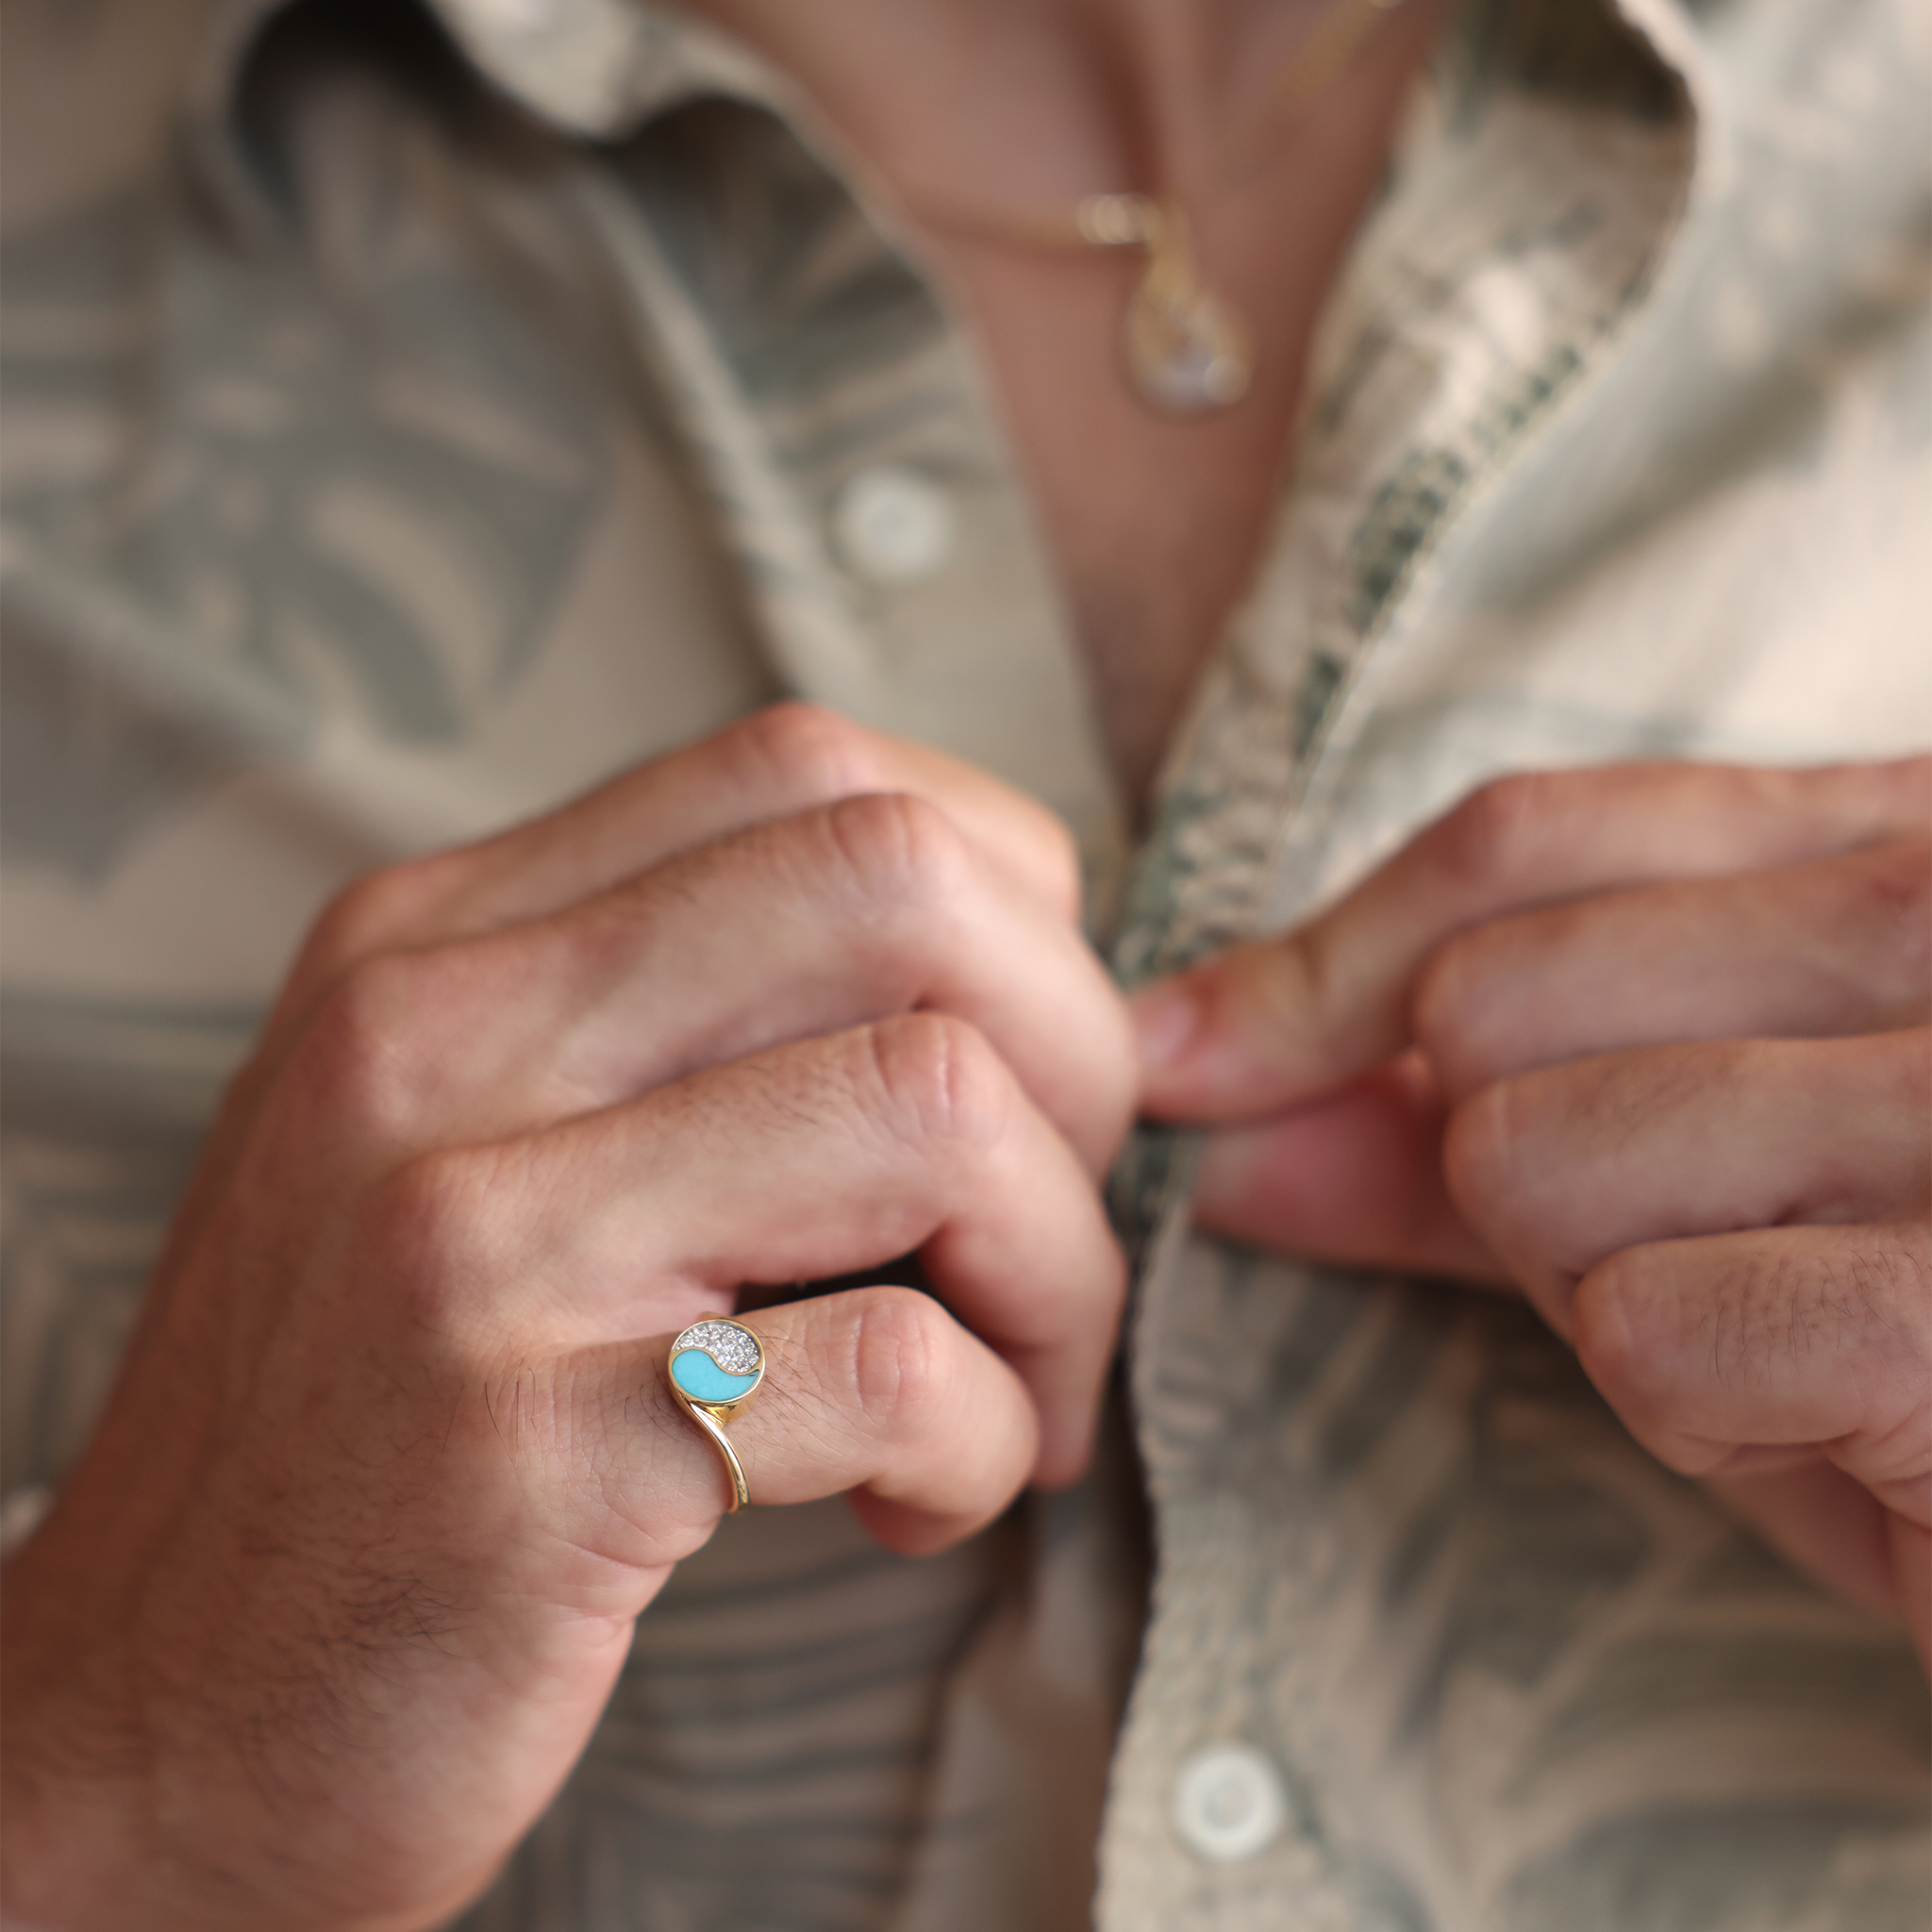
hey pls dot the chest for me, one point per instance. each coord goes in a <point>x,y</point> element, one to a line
<point>1154,523</point>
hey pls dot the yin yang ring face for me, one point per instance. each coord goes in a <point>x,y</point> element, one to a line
<point>718,1363</point>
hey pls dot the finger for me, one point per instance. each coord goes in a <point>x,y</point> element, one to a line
<point>1773,1336</point>
<point>808,924</point>
<point>782,761</point>
<point>1268,1025</point>
<point>876,1390</point>
<point>1558,1168</point>
<point>1822,1521</point>
<point>1833,946</point>
<point>813,1161</point>
<point>1356,1177</point>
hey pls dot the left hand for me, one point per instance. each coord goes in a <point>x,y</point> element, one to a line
<point>1651,1043</point>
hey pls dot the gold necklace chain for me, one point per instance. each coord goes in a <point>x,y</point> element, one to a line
<point>1185,348</point>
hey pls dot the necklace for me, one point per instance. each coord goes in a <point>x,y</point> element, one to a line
<point>1185,349</point>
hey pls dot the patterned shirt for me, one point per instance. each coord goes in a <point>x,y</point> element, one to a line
<point>416,412</point>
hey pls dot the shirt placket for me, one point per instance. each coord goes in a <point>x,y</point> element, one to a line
<point>1491,282</point>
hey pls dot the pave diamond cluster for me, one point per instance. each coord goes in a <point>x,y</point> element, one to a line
<point>734,1349</point>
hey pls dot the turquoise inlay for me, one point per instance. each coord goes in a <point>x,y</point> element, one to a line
<point>703,1380</point>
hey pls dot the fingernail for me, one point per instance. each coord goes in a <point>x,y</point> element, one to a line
<point>1166,1018</point>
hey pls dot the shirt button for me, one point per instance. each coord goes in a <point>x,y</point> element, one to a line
<point>1229,1801</point>
<point>891,525</point>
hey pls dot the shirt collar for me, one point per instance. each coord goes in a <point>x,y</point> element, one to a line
<point>599,68</point>
<point>592,69</point>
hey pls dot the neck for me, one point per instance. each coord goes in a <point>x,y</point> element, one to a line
<point>1029,105</point>
<point>1036,103</point>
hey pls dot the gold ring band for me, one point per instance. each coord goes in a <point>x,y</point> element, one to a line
<point>714,1369</point>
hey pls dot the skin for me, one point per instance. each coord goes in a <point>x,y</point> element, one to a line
<point>329,1606</point>
<point>1649,1043</point>
<point>1155,523</point>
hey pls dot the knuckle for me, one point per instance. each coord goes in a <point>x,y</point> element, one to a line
<point>896,848</point>
<point>1896,888</point>
<point>1886,792</point>
<point>1911,778</point>
<point>1495,833</point>
<point>436,1231</point>
<point>1292,984</point>
<point>357,1065</point>
<point>901,1360</point>
<point>1479,1153</point>
<point>1443,1007</point>
<point>1484,837</point>
<point>1059,853</point>
<point>1634,1330</point>
<point>374,914</point>
<point>936,1078</point>
<point>811,750</point>
<point>1614,1330</point>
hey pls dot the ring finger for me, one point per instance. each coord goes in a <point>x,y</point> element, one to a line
<point>816,1159</point>
<point>876,1390</point>
<point>859,910</point>
<point>1558,1168</point>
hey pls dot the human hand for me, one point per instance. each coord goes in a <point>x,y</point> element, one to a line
<point>1649,1043</point>
<point>334,1598</point>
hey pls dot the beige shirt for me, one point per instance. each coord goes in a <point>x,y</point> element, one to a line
<point>407,424</point>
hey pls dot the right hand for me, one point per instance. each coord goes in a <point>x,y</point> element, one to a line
<point>330,1604</point>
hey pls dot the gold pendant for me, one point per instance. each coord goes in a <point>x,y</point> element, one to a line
<point>1187,350</point>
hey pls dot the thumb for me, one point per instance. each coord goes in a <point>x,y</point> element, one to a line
<point>1272,1024</point>
<point>1355,1177</point>
<point>1259,1028</point>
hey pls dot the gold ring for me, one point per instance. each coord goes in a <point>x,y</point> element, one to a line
<point>714,1370</point>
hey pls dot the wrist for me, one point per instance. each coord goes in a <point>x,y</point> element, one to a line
<point>68,1852</point>
<point>102,1829</point>
<point>143,1790</point>
<point>88,1840</point>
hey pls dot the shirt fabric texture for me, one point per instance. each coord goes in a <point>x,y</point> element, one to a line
<point>413,414</point>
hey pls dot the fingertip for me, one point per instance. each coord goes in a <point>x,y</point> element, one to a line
<point>1602,1325</point>
<point>1167,1020</point>
<point>1636,1357</point>
<point>1066,1453</point>
<point>1200,1060</point>
<point>1239,1034</point>
<point>907,1529</point>
<point>1236,1173</point>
